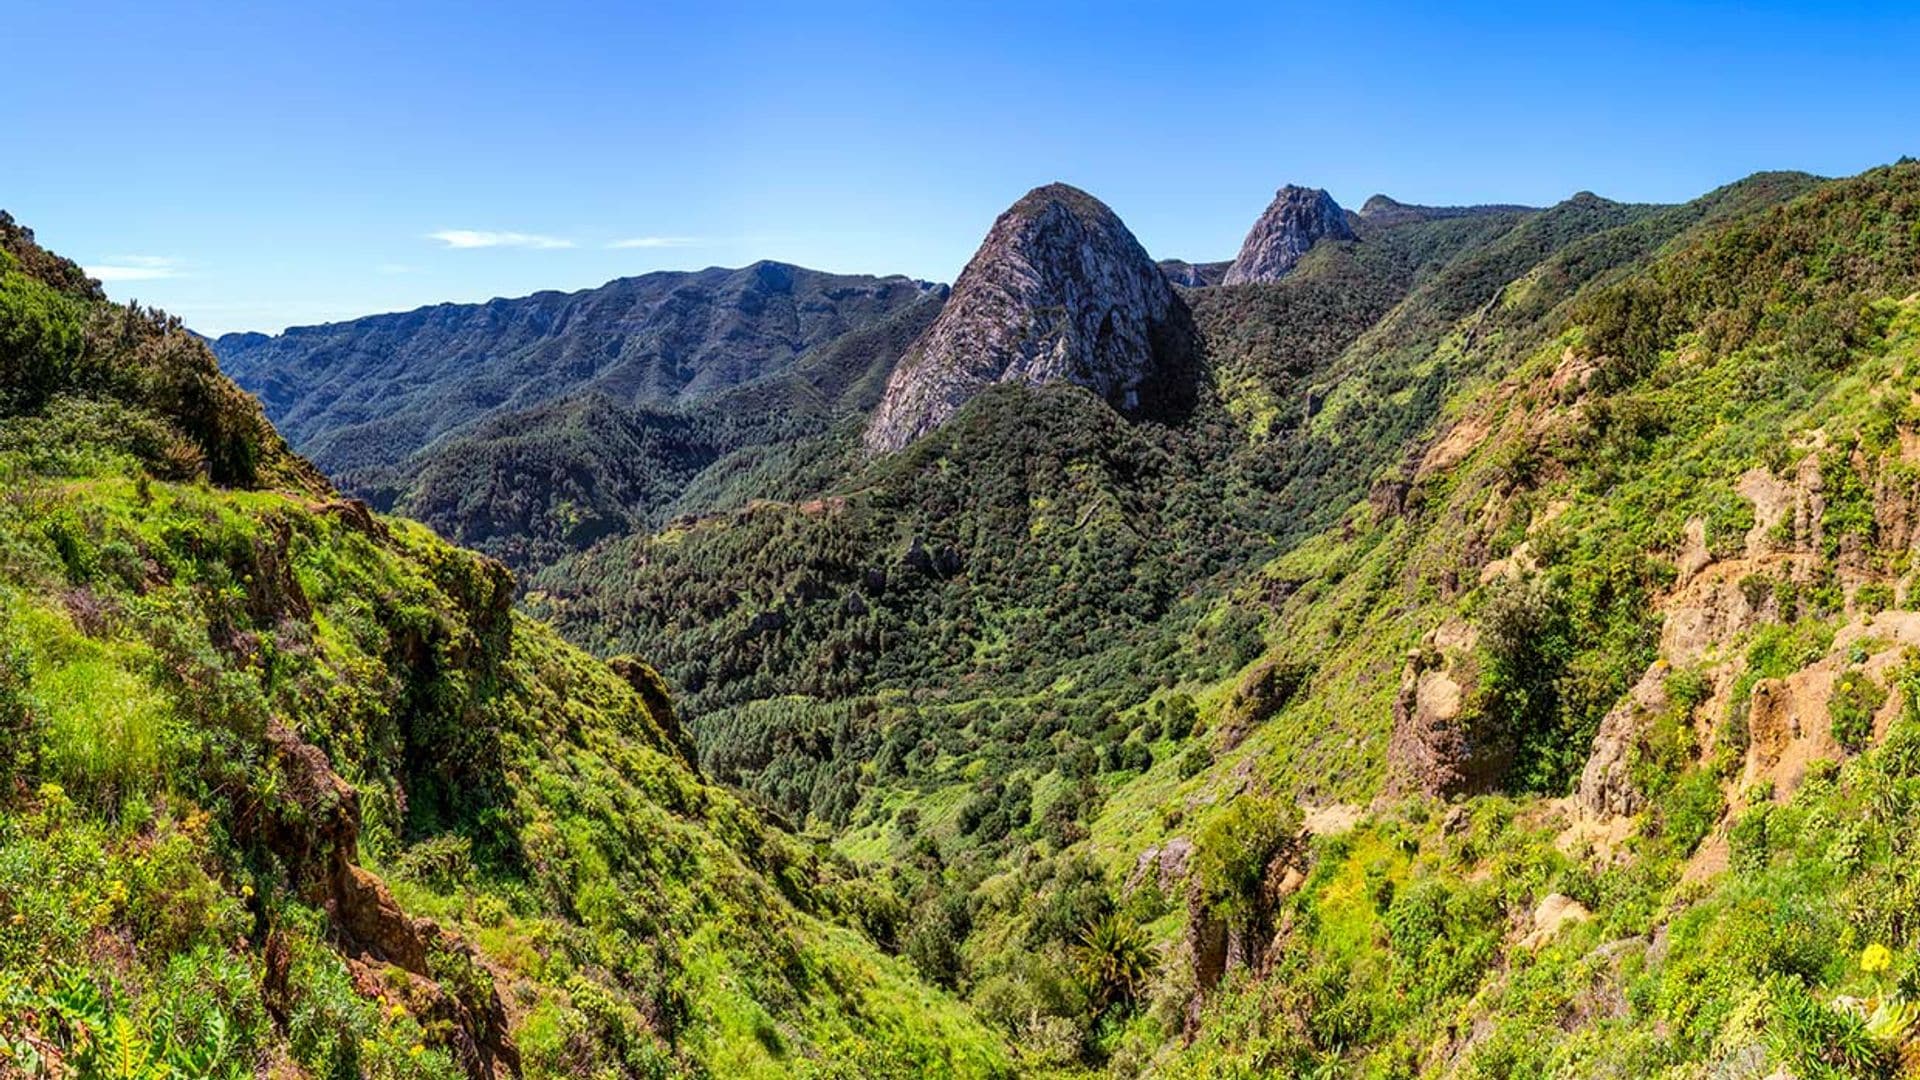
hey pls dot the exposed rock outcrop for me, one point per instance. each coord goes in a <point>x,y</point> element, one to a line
<point>1720,594</point>
<point>1436,748</point>
<point>652,688</point>
<point>1164,865</point>
<point>1606,782</point>
<point>1263,691</point>
<point>1214,944</point>
<point>1553,915</point>
<point>1297,219</point>
<point>315,831</point>
<point>1060,291</point>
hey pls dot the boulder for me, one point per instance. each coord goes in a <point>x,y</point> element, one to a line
<point>1437,748</point>
<point>1551,916</point>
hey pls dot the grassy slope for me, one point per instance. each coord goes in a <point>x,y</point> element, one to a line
<point>1725,355</point>
<point>158,897</point>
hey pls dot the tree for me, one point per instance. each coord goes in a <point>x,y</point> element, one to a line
<point>1115,960</point>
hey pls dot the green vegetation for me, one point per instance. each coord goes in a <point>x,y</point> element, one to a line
<point>287,786</point>
<point>1008,668</point>
<point>1507,669</point>
<point>1702,375</point>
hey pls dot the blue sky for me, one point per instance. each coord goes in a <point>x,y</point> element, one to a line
<point>255,166</point>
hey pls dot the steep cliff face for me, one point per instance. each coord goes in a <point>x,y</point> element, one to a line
<point>1059,292</point>
<point>1297,219</point>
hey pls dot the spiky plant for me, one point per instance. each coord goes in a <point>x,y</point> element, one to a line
<point>1115,960</point>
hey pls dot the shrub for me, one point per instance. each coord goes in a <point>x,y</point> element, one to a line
<point>1815,1039</point>
<point>41,341</point>
<point>1856,698</point>
<point>1233,849</point>
<point>1748,839</point>
<point>1441,935</point>
<point>940,924</point>
<point>1181,715</point>
<point>1134,756</point>
<point>1873,598</point>
<point>1194,761</point>
<point>1691,810</point>
<point>440,862</point>
<point>1116,961</point>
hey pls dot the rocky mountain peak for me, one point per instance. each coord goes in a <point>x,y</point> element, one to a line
<point>1297,219</point>
<point>1059,291</point>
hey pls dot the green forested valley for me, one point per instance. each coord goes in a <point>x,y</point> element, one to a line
<point>1487,645</point>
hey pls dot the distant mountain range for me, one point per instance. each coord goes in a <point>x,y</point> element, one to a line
<point>401,408</point>
<point>373,390</point>
<point>531,427</point>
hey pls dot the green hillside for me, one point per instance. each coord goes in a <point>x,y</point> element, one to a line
<point>1047,565</point>
<point>290,789</point>
<point>1650,587</point>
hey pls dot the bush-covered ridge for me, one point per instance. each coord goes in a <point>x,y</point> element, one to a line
<point>289,788</point>
<point>183,417</point>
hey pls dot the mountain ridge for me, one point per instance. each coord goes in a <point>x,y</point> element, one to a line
<point>369,391</point>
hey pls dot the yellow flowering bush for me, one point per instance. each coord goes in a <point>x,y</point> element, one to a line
<point>1875,959</point>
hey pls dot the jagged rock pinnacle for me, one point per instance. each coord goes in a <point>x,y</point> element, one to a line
<point>1297,219</point>
<point>1059,291</point>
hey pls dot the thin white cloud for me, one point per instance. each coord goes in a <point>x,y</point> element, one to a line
<point>655,242</point>
<point>134,268</point>
<point>482,238</point>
